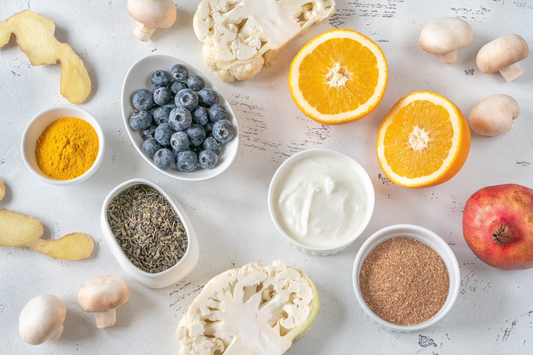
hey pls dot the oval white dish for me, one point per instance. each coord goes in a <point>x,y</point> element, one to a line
<point>164,278</point>
<point>138,77</point>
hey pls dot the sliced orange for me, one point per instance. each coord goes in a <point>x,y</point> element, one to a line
<point>338,77</point>
<point>424,140</point>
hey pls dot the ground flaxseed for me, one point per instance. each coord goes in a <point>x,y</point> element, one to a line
<point>404,281</point>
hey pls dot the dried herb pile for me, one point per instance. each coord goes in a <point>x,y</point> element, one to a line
<point>147,228</point>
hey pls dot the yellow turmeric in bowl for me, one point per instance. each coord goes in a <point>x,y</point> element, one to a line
<point>67,148</point>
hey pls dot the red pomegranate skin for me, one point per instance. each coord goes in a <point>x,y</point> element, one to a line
<point>498,226</point>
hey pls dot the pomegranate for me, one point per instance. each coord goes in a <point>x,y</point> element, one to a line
<point>498,226</point>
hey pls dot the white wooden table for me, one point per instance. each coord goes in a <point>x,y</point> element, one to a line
<point>494,311</point>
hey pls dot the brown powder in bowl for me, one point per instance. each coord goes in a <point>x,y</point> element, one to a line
<point>404,281</point>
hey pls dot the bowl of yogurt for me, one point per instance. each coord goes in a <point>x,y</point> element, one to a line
<point>321,201</point>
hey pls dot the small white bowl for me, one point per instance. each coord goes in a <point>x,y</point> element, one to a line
<point>139,77</point>
<point>40,122</point>
<point>160,279</point>
<point>274,190</point>
<point>422,235</point>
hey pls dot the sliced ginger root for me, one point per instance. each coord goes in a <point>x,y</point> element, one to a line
<point>35,37</point>
<point>21,230</point>
<point>72,246</point>
<point>2,190</point>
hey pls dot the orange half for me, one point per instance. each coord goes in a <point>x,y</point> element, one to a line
<point>338,77</point>
<point>424,140</point>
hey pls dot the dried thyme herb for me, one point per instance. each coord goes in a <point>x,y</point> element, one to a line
<point>147,228</point>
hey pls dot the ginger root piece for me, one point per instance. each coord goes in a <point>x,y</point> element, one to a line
<point>2,190</point>
<point>35,37</point>
<point>21,230</point>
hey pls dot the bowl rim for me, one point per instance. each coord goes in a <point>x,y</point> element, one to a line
<point>110,237</point>
<point>185,176</point>
<point>367,182</point>
<point>92,121</point>
<point>429,238</point>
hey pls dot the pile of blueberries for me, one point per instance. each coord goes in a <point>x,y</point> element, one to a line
<point>181,121</point>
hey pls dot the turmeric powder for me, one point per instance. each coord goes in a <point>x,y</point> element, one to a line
<point>67,148</point>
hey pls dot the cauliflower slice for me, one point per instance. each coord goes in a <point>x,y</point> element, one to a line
<point>254,310</point>
<point>240,36</point>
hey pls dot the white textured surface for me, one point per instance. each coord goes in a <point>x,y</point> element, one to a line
<point>494,310</point>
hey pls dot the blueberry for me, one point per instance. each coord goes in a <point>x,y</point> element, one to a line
<point>196,134</point>
<point>211,143</point>
<point>161,78</point>
<point>161,114</point>
<point>217,113</point>
<point>150,146</point>
<point>162,96</point>
<point>187,98</point>
<point>223,131</point>
<point>176,86</point>
<point>142,100</point>
<point>208,159</point>
<point>179,72</point>
<point>200,116</point>
<point>179,141</point>
<point>140,120</point>
<point>207,97</point>
<point>179,119</point>
<point>149,132</point>
<point>171,105</point>
<point>164,158</point>
<point>209,128</point>
<point>186,161</point>
<point>195,82</point>
<point>163,133</point>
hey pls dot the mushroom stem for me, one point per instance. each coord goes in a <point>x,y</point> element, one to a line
<point>449,57</point>
<point>106,318</point>
<point>143,32</point>
<point>512,72</point>
<point>56,334</point>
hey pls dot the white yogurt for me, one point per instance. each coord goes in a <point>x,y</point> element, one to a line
<point>320,201</point>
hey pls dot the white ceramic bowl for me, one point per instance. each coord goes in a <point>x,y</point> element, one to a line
<point>164,278</point>
<point>38,124</point>
<point>139,77</point>
<point>425,236</point>
<point>274,191</point>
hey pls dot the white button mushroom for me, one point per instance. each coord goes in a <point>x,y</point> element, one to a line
<point>504,55</point>
<point>494,115</point>
<point>42,319</point>
<point>151,14</point>
<point>102,295</point>
<point>444,36</point>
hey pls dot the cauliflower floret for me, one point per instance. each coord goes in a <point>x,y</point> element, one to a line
<point>240,36</point>
<point>253,310</point>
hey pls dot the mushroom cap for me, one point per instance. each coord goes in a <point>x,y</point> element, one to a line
<point>445,34</point>
<point>494,115</point>
<point>102,293</point>
<point>153,13</point>
<point>40,318</point>
<point>501,52</point>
